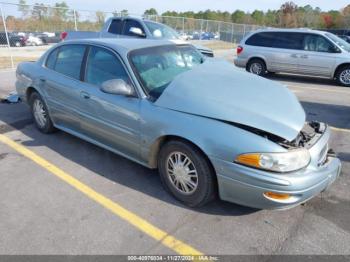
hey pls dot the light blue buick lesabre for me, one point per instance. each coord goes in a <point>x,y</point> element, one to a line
<point>209,128</point>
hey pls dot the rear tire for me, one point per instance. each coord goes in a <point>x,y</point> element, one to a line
<point>256,66</point>
<point>40,114</point>
<point>182,165</point>
<point>343,76</point>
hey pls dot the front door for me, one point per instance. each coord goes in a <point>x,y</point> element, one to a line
<point>317,57</point>
<point>112,120</point>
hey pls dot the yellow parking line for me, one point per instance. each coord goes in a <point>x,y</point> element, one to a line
<point>133,219</point>
<point>340,129</point>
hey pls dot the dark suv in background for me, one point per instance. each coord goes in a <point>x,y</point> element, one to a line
<point>15,40</point>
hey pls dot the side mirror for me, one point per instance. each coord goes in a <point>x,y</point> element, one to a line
<point>136,31</point>
<point>117,87</point>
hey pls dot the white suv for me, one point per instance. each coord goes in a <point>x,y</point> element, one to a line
<point>298,51</point>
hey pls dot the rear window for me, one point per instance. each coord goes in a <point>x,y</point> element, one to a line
<point>51,60</point>
<point>68,61</point>
<point>288,40</point>
<point>116,27</point>
<point>283,40</point>
<point>261,39</point>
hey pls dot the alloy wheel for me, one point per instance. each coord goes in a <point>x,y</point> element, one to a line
<point>39,113</point>
<point>182,173</point>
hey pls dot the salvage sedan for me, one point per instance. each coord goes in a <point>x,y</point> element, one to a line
<point>208,127</point>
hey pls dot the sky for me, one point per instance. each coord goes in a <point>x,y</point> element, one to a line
<point>138,6</point>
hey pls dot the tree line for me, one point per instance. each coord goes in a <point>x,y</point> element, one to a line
<point>59,16</point>
<point>288,15</point>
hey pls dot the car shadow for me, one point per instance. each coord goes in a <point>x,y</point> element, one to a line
<point>113,167</point>
<point>334,115</point>
<point>300,79</point>
<point>344,156</point>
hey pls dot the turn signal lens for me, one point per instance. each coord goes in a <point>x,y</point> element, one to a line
<point>277,196</point>
<point>249,159</point>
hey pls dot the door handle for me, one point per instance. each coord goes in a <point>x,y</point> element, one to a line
<point>85,95</point>
<point>305,56</point>
<point>294,55</point>
<point>42,79</point>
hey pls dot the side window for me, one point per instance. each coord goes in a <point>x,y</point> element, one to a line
<point>132,23</point>
<point>116,27</point>
<point>264,39</point>
<point>51,60</point>
<point>102,65</point>
<point>69,60</point>
<point>317,43</point>
<point>288,40</point>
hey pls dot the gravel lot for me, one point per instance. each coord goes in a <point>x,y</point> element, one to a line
<point>41,214</point>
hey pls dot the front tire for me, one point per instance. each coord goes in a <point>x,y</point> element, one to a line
<point>186,173</point>
<point>343,76</point>
<point>256,67</point>
<point>40,114</point>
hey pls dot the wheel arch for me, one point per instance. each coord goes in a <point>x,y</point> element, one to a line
<point>161,141</point>
<point>340,66</point>
<point>30,90</point>
<point>256,57</point>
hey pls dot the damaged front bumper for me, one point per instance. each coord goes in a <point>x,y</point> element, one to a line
<point>248,186</point>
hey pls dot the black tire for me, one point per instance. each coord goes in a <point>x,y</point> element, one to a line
<point>339,78</point>
<point>206,182</point>
<point>256,62</point>
<point>48,126</point>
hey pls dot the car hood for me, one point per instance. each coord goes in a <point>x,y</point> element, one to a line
<point>216,89</point>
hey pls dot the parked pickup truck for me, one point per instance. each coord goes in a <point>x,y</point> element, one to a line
<point>122,27</point>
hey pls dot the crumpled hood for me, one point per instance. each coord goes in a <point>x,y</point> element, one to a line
<point>218,90</point>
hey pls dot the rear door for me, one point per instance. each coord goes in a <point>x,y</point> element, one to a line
<point>317,56</point>
<point>61,84</point>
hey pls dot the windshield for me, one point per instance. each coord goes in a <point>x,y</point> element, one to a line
<point>340,42</point>
<point>161,31</point>
<point>157,66</point>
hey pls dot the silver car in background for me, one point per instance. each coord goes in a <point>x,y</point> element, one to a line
<point>297,51</point>
<point>205,125</point>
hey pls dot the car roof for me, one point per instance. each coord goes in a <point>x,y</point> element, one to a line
<point>292,30</point>
<point>124,45</point>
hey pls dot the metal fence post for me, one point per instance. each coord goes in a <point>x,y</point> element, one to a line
<point>232,33</point>
<point>75,20</point>
<point>200,34</point>
<point>7,36</point>
<point>183,25</point>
